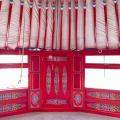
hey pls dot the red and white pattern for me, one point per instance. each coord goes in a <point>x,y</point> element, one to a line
<point>100,25</point>
<point>103,95</point>
<point>25,26</point>
<point>3,22</point>
<point>48,80</point>
<point>64,80</point>
<point>42,25</point>
<point>13,33</point>
<point>65,26</point>
<point>12,107</point>
<point>68,27</point>
<point>73,27</point>
<point>89,28</point>
<point>35,25</point>
<point>118,5</point>
<point>34,99</point>
<point>50,21</point>
<point>104,107</point>
<point>80,26</point>
<point>77,98</point>
<point>112,25</point>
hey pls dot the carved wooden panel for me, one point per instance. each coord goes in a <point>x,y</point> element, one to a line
<point>48,80</point>
<point>35,98</point>
<point>77,98</point>
<point>56,80</point>
<point>64,80</point>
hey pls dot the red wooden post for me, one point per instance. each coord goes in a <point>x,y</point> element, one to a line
<point>20,24</point>
<point>8,26</point>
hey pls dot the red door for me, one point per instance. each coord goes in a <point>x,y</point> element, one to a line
<point>56,84</point>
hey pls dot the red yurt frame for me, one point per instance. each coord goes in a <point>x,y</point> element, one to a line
<point>33,98</point>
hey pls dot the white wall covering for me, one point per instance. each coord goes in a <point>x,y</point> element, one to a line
<point>100,25</point>
<point>65,26</point>
<point>89,28</point>
<point>80,26</point>
<point>13,33</point>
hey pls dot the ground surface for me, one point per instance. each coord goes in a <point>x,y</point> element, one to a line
<point>58,116</point>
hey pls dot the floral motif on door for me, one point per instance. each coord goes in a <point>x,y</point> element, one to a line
<point>64,80</point>
<point>34,98</point>
<point>56,80</point>
<point>78,98</point>
<point>48,80</point>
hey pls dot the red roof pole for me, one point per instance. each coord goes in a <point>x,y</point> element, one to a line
<point>53,30</point>
<point>30,22</point>
<point>106,24</point>
<point>45,29</point>
<point>84,24</point>
<point>0,4</point>
<point>20,24</point>
<point>117,16</point>
<point>69,29</point>
<point>94,13</point>
<point>8,26</point>
<point>61,29</point>
<point>39,14</point>
<point>118,3</point>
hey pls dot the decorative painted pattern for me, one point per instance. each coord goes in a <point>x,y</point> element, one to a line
<point>11,107</point>
<point>56,80</point>
<point>77,99</point>
<point>12,95</point>
<point>48,80</point>
<point>56,102</point>
<point>64,80</point>
<point>104,95</point>
<point>35,98</point>
<point>57,58</point>
<point>104,107</point>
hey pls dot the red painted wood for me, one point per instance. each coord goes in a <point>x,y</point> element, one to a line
<point>117,16</point>
<point>101,66</point>
<point>84,25</point>
<point>102,100</point>
<point>0,4</point>
<point>37,66</point>
<point>52,95</point>
<point>39,15</point>
<point>34,105</point>
<point>45,29</point>
<point>61,30</point>
<point>118,24</point>
<point>53,34</point>
<point>13,65</point>
<point>106,24</point>
<point>94,13</point>
<point>69,28</point>
<point>16,99</point>
<point>30,26</point>
<point>8,26</point>
<point>76,29</point>
<point>20,24</point>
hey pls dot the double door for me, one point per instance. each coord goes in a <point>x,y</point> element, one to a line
<point>56,84</point>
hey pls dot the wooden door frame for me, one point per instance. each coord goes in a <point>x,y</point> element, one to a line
<point>45,62</point>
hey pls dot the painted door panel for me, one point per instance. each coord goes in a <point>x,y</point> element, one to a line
<point>56,84</point>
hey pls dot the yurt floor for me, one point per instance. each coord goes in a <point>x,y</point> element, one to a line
<point>59,116</point>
